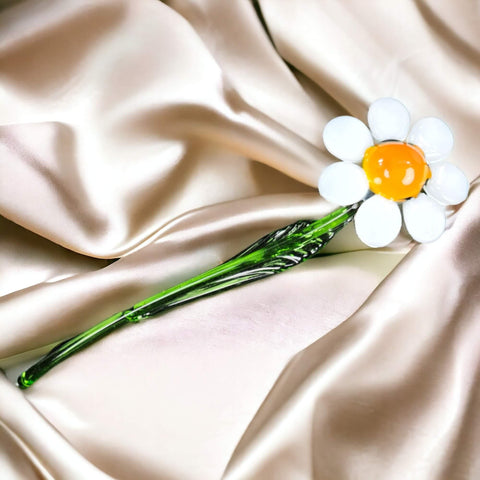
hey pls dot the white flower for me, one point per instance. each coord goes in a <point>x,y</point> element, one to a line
<point>398,167</point>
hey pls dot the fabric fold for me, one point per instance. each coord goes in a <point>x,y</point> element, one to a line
<point>402,368</point>
<point>143,142</point>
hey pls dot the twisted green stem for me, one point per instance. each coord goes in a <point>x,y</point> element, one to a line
<point>273,253</point>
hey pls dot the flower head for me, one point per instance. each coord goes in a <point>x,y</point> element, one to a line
<point>398,167</point>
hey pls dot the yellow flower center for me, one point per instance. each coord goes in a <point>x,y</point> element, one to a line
<point>396,170</point>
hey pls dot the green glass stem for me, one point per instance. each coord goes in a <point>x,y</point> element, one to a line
<point>273,253</point>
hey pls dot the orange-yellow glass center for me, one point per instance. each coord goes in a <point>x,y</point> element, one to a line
<point>396,170</point>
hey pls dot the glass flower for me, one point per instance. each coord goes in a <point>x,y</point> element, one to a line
<point>393,169</point>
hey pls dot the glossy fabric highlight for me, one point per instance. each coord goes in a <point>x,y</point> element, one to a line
<point>143,142</point>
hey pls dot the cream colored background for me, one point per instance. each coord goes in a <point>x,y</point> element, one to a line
<point>171,136</point>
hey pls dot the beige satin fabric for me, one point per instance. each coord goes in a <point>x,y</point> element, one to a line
<point>170,136</point>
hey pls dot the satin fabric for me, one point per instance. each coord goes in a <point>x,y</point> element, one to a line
<point>143,142</point>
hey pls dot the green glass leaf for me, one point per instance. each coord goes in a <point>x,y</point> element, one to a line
<point>272,254</point>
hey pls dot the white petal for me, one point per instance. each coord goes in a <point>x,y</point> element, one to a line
<point>448,185</point>
<point>347,138</point>
<point>378,221</point>
<point>388,119</point>
<point>433,136</point>
<point>343,183</point>
<point>424,218</point>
